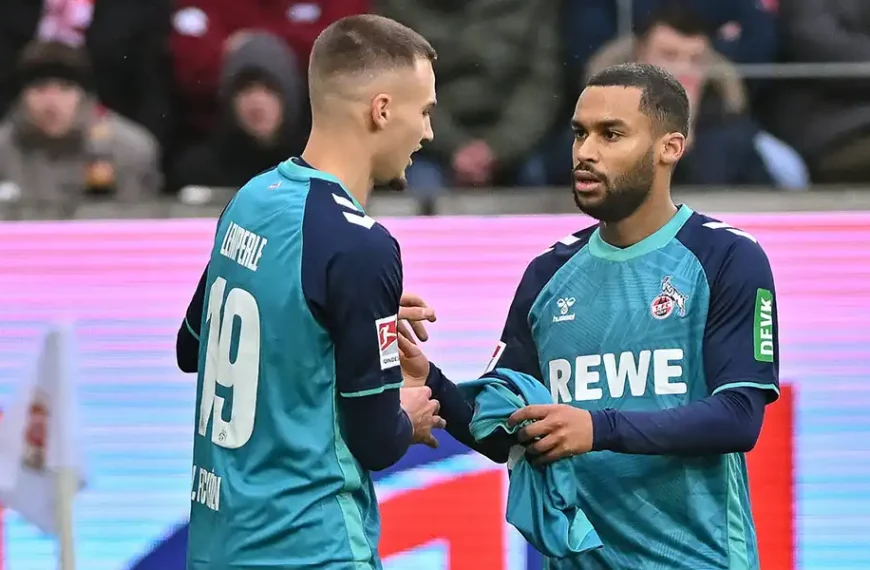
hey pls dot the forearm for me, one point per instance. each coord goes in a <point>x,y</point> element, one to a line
<point>458,412</point>
<point>728,422</point>
<point>376,429</point>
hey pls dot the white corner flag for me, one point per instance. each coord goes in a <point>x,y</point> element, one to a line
<point>41,457</point>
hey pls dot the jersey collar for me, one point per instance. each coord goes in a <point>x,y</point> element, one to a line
<point>296,168</point>
<point>600,248</point>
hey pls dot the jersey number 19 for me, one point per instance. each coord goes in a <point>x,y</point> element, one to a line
<point>240,374</point>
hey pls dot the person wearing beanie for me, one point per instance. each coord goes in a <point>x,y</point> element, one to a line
<point>262,94</point>
<point>58,144</point>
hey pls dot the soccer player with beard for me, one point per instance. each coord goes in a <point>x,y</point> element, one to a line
<point>292,330</point>
<point>655,331</point>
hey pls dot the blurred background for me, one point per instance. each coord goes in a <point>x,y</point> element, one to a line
<point>128,124</point>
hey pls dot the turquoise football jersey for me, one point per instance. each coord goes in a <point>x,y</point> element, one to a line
<point>686,313</point>
<point>274,483</point>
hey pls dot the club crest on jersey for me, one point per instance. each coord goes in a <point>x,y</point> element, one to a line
<point>669,299</point>
<point>564,304</point>
<point>388,341</point>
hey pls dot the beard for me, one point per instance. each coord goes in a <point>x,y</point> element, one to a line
<point>622,196</point>
<point>398,184</point>
<point>392,179</point>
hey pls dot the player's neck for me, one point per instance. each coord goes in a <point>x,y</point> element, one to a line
<point>341,160</point>
<point>647,220</point>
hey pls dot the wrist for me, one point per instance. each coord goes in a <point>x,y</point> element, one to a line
<point>411,429</point>
<point>603,430</point>
<point>434,379</point>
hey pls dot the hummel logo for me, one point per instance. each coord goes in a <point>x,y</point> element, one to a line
<point>564,305</point>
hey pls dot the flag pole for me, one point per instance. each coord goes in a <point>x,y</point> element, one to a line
<point>66,484</point>
<point>66,475</point>
<point>41,463</point>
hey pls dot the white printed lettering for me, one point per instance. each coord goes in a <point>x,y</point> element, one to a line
<point>618,371</point>
<point>664,371</point>
<point>243,246</point>
<point>626,371</point>
<point>560,374</point>
<point>585,376</point>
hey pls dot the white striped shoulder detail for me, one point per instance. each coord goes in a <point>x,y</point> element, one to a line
<point>730,228</point>
<point>357,216</point>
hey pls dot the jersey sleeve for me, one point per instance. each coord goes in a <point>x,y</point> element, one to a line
<point>516,350</point>
<point>363,289</point>
<point>741,344</point>
<point>187,339</point>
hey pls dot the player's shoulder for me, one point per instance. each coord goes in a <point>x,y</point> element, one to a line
<point>555,256</point>
<point>331,213</point>
<point>250,197</point>
<point>716,243</point>
<point>269,179</point>
<point>543,267</point>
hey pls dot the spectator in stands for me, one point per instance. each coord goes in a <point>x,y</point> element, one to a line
<point>827,120</point>
<point>126,44</point>
<point>743,31</point>
<point>261,100</point>
<point>203,30</point>
<point>59,144</point>
<point>726,147</point>
<point>498,75</point>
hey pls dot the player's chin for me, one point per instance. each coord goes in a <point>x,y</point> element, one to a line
<point>588,198</point>
<point>399,183</point>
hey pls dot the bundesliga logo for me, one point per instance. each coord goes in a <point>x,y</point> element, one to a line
<point>663,305</point>
<point>388,341</point>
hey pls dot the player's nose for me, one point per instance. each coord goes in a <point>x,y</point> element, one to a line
<point>428,132</point>
<point>585,150</point>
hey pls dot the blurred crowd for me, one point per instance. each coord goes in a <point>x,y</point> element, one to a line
<point>127,99</point>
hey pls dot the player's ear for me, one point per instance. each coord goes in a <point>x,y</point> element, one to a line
<point>380,110</point>
<point>672,146</point>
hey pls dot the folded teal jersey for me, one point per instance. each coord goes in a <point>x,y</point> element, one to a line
<point>542,501</point>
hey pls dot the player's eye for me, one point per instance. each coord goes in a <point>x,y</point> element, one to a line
<point>579,134</point>
<point>612,135</point>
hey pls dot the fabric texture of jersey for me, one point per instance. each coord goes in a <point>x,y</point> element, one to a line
<point>683,314</point>
<point>541,501</point>
<point>275,485</point>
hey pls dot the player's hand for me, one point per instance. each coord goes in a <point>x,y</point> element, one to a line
<point>414,310</point>
<point>423,412</point>
<point>415,364</point>
<point>558,431</point>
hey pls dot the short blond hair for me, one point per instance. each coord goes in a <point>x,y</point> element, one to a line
<point>364,45</point>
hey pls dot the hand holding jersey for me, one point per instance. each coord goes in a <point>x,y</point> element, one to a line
<point>557,431</point>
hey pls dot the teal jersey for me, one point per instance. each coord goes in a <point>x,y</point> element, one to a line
<point>301,298</point>
<point>684,314</point>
